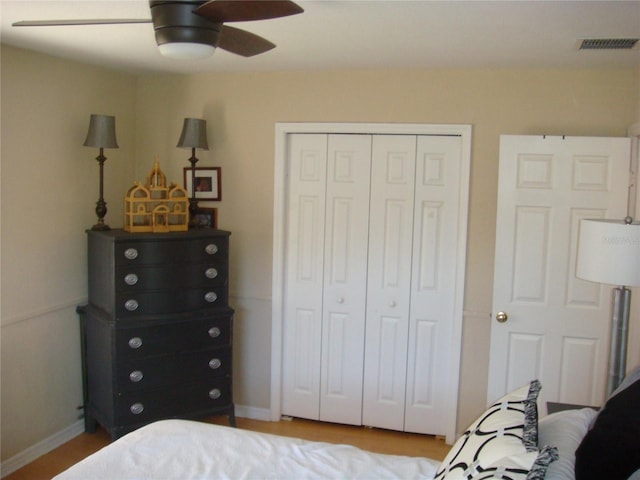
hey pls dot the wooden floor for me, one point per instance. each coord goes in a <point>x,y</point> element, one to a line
<point>375,440</point>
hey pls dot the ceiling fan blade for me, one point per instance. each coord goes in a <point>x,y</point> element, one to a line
<point>221,11</point>
<point>89,21</point>
<point>243,43</point>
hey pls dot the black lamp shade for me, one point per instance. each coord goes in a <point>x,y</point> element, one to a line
<point>194,134</point>
<point>102,132</point>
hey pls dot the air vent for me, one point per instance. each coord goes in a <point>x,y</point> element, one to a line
<point>608,43</point>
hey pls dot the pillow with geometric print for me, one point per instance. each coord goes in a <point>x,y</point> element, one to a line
<point>501,443</point>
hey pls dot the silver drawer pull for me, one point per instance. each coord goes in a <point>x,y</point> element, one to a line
<point>135,342</point>
<point>131,253</point>
<point>136,376</point>
<point>215,363</point>
<point>211,273</point>
<point>215,394</point>
<point>131,305</point>
<point>211,249</point>
<point>136,408</point>
<point>210,297</point>
<point>131,279</point>
<point>214,332</point>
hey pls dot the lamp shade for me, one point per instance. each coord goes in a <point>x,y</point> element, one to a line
<point>102,132</point>
<point>609,252</point>
<point>194,134</point>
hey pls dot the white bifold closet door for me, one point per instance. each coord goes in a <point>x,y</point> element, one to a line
<point>326,278</point>
<point>372,240</point>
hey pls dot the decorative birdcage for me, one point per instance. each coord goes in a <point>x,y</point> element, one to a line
<point>156,207</point>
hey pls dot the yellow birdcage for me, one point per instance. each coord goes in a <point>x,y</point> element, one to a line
<point>155,207</point>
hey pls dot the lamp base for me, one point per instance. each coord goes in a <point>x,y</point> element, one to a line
<point>101,226</point>
<point>619,333</point>
<point>193,211</point>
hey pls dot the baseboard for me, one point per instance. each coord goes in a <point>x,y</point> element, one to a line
<point>253,413</point>
<point>44,446</point>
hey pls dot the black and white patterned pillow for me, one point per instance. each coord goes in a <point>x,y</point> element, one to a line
<point>502,443</point>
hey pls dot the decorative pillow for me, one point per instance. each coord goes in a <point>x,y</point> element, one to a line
<point>528,466</point>
<point>611,449</point>
<point>502,443</point>
<point>565,430</point>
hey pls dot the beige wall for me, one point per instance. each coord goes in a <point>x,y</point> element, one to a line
<point>49,187</point>
<point>51,181</point>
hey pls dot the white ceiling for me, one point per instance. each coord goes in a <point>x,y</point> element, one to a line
<point>350,34</point>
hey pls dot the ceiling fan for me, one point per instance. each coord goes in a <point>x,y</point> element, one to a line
<point>194,28</point>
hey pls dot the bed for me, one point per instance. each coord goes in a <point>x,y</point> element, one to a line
<point>507,441</point>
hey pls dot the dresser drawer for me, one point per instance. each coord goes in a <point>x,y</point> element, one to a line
<point>167,370</point>
<point>176,251</point>
<point>176,401</point>
<point>136,278</point>
<point>170,301</point>
<point>172,337</point>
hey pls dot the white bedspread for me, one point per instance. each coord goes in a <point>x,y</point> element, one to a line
<point>180,449</point>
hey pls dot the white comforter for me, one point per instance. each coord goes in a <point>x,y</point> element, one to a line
<point>180,449</point>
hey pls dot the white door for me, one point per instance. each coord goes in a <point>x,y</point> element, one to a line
<point>389,283</point>
<point>326,276</point>
<point>345,278</point>
<point>557,326</point>
<point>304,280</point>
<point>436,272</point>
<point>415,233</point>
<point>410,196</point>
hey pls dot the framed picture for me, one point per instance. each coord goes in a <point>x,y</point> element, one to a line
<point>208,183</point>
<point>206,218</point>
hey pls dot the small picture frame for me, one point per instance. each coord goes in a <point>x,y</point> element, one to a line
<point>208,183</point>
<point>206,218</point>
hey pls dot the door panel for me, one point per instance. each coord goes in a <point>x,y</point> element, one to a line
<point>345,278</point>
<point>389,289</point>
<point>557,324</point>
<point>436,234</point>
<point>304,276</point>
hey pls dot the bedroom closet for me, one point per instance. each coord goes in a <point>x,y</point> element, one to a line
<point>373,267</point>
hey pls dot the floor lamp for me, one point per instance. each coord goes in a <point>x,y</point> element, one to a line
<point>609,252</point>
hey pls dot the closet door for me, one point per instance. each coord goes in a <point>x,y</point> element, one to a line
<point>435,269</point>
<point>326,276</point>
<point>389,280</point>
<point>345,278</point>
<point>302,324</point>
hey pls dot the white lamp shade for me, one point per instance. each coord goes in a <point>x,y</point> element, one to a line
<point>609,252</point>
<point>186,50</point>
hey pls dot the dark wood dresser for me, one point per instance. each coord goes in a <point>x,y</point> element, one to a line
<point>157,330</point>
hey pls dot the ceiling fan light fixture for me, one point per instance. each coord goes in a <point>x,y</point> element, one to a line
<point>186,50</point>
<point>180,33</point>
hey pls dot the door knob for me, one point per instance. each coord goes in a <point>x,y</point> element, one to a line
<point>501,317</point>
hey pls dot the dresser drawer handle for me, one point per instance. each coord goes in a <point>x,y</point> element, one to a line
<point>214,332</point>
<point>215,363</point>
<point>215,394</point>
<point>131,254</point>
<point>131,305</point>
<point>131,279</point>
<point>136,376</point>
<point>210,297</point>
<point>136,408</point>
<point>211,249</point>
<point>211,273</point>
<point>135,342</point>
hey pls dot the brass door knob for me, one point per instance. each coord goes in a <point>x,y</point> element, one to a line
<point>501,317</point>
